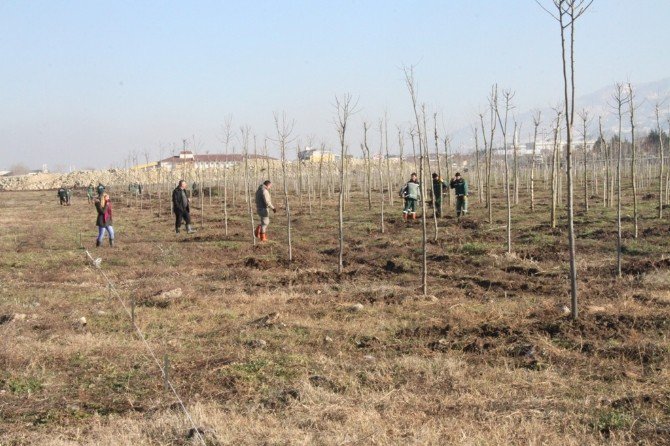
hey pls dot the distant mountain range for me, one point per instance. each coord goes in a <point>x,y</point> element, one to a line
<point>598,103</point>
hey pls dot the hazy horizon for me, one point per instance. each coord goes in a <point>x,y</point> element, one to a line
<point>85,84</point>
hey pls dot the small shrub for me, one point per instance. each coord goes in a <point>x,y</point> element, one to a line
<point>609,421</point>
<point>24,385</point>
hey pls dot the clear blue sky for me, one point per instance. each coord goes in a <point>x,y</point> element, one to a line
<point>84,83</point>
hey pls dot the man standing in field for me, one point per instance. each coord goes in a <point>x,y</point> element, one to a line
<point>181,208</point>
<point>263,206</point>
<point>438,189</point>
<point>460,187</point>
<point>411,193</point>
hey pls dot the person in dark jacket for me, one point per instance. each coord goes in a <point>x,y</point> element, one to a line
<point>438,189</point>
<point>263,207</point>
<point>181,208</point>
<point>460,187</point>
<point>63,196</point>
<point>104,221</point>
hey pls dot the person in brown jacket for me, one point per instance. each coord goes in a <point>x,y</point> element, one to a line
<point>263,207</point>
<point>104,221</point>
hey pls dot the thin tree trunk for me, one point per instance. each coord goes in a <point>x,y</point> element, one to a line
<point>660,170</point>
<point>633,179</point>
<point>409,78</point>
<point>536,124</point>
<point>344,109</point>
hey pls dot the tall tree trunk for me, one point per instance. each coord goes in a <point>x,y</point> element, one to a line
<point>284,130</point>
<point>620,101</point>
<point>344,109</point>
<point>480,190</point>
<point>409,78</point>
<point>245,146</point>
<point>507,95</point>
<point>660,169</point>
<point>368,167</point>
<point>536,124</point>
<point>633,179</point>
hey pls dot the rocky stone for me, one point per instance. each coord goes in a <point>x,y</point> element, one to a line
<point>171,294</point>
<point>269,320</point>
<point>256,343</point>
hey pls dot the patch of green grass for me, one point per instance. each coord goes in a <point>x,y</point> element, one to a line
<point>474,248</point>
<point>282,367</point>
<point>250,370</point>
<point>640,248</point>
<point>227,244</point>
<point>23,385</point>
<point>610,420</point>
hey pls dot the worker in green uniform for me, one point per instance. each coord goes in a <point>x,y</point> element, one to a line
<point>460,187</point>
<point>411,192</point>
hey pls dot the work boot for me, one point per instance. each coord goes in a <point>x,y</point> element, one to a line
<point>189,229</point>
<point>111,242</point>
<point>97,243</point>
<point>264,236</point>
<point>413,215</point>
<point>257,231</point>
<point>404,216</point>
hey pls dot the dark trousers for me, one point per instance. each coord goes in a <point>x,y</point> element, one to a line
<point>179,216</point>
<point>438,208</point>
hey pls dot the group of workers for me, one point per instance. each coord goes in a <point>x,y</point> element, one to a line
<point>410,192</point>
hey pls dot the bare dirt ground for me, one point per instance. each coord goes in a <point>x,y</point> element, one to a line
<point>264,351</point>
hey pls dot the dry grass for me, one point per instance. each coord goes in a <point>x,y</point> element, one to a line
<point>488,358</point>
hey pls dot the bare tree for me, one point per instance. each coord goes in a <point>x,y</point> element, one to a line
<point>480,190</point>
<point>323,147</point>
<point>493,99</point>
<point>631,110</point>
<point>604,148</point>
<point>245,152</point>
<point>344,109</point>
<point>383,136</point>
<point>401,149</point>
<point>567,12</point>
<point>388,158</point>
<point>620,99</point>
<point>446,143</point>
<point>536,123</point>
<point>517,131</point>
<point>660,170</point>
<point>368,166</point>
<point>411,86</point>
<point>227,138</point>
<point>439,169</point>
<point>284,130</point>
<point>584,116</point>
<point>508,95</point>
<point>428,178</point>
